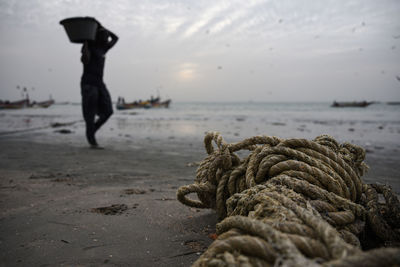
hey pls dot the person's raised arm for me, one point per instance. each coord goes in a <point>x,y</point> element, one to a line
<point>114,39</point>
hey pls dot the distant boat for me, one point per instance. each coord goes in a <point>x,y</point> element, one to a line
<point>14,104</point>
<point>151,103</point>
<point>361,104</point>
<point>43,104</point>
<point>25,103</point>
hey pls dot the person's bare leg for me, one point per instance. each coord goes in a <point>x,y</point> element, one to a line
<point>89,108</point>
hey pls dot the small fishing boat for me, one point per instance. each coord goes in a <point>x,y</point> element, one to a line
<point>361,104</point>
<point>43,104</point>
<point>151,103</point>
<point>14,104</point>
<point>25,103</point>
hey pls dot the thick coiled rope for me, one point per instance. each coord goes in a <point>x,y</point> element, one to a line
<point>293,202</point>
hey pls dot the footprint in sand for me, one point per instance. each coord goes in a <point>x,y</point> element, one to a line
<point>132,191</point>
<point>111,210</point>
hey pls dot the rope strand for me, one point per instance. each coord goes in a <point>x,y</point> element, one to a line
<point>293,202</point>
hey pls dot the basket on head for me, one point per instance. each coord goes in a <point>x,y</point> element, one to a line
<point>80,29</point>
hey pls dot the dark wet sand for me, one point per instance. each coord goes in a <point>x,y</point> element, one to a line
<point>48,197</point>
<point>56,204</point>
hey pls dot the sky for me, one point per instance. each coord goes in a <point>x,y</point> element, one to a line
<point>209,50</point>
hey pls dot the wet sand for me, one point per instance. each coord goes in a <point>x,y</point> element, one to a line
<point>63,205</point>
<point>53,201</point>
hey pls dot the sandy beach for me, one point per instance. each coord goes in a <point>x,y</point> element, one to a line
<point>51,195</point>
<point>63,204</point>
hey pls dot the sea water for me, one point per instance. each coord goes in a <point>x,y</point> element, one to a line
<point>376,124</point>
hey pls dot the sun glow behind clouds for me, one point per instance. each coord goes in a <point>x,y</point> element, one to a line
<point>187,72</point>
<point>181,44</point>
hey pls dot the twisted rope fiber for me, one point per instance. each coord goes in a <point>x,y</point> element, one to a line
<point>294,202</point>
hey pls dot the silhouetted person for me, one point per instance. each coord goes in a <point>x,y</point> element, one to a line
<point>96,99</point>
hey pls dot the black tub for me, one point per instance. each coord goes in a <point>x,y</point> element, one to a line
<point>80,29</point>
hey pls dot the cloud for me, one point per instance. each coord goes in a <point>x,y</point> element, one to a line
<point>187,40</point>
<point>205,18</point>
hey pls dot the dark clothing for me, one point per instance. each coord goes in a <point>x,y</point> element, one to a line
<point>94,69</point>
<point>95,101</point>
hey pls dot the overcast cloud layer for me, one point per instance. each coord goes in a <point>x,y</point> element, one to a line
<point>209,50</point>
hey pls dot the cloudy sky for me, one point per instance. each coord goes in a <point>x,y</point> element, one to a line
<point>209,50</point>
